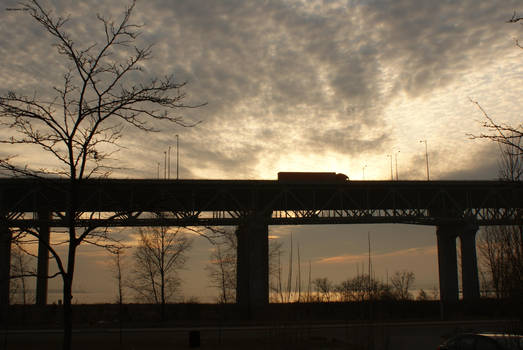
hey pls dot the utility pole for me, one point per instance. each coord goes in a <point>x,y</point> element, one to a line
<point>364,171</point>
<point>164,164</point>
<point>396,159</point>
<point>169,163</point>
<point>177,157</point>
<point>391,174</point>
<point>426,158</point>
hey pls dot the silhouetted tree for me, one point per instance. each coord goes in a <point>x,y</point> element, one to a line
<point>422,295</point>
<point>21,269</point>
<point>501,247</point>
<point>503,133</point>
<point>501,255</point>
<point>361,287</point>
<point>160,255</point>
<point>78,124</point>
<point>222,267</point>
<point>324,289</point>
<point>401,282</point>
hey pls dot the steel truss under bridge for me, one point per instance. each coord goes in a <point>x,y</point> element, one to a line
<point>115,202</point>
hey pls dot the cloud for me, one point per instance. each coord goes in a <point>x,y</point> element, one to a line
<point>379,257</point>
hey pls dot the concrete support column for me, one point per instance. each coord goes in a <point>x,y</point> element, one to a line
<point>42,270</point>
<point>252,266</point>
<point>469,262</point>
<point>5,267</point>
<point>447,263</point>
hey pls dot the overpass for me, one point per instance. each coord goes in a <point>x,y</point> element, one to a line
<point>456,208</point>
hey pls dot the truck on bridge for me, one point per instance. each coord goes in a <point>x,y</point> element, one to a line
<point>312,177</point>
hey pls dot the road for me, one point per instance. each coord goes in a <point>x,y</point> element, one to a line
<point>375,336</point>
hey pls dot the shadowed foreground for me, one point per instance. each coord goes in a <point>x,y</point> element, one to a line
<point>370,325</point>
<point>386,336</point>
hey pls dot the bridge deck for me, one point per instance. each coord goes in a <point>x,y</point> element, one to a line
<point>225,202</point>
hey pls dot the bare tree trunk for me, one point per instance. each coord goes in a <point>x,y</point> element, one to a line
<point>289,280</point>
<point>71,259</point>
<point>119,276</point>
<point>309,284</point>
<point>298,277</point>
<point>162,271</point>
<point>67,312</point>
<point>162,294</point>
<point>280,288</point>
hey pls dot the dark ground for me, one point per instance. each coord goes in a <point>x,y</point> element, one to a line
<point>368,325</point>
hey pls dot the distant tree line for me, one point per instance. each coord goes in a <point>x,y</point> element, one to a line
<point>365,288</point>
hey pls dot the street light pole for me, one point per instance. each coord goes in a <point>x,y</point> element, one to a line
<point>391,174</point>
<point>426,158</point>
<point>169,163</point>
<point>396,159</point>
<point>364,171</point>
<point>177,157</point>
<point>164,165</point>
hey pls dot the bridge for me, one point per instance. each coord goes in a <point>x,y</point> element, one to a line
<point>456,208</point>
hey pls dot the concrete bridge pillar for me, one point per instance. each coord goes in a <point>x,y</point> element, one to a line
<point>447,262</point>
<point>252,266</point>
<point>5,268</point>
<point>42,270</point>
<point>469,262</point>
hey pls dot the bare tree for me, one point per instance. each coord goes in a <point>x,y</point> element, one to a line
<point>80,123</point>
<point>297,289</point>
<point>21,270</point>
<point>401,282</point>
<point>501,247</point>
<point>275,280</point>
<point>511,160</point>
<point>422,295</point>
<point>345,290</point>
<point>361,287</point>
<point>501,254</point>
<point>160,255</point>
<point>289,274</point>
<point>324,289</point>
<point>222,267</point>
<point>503,133</point>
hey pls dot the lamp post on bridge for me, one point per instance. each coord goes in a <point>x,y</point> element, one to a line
<point>177,157</point>
<point>396,160</point>
<point>169,163</point>
<point>391,174</point>
<point>426,157</point>
<point>164,165</point>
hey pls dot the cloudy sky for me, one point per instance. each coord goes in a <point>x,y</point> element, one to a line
<point>294,85</point>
